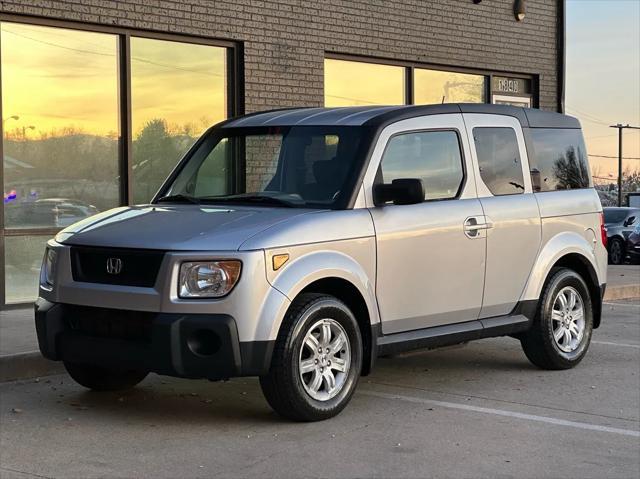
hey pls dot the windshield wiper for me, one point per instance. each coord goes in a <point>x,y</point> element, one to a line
<point>179,198</point>
<point>271,200</point>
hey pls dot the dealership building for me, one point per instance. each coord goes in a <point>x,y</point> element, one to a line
<point>100,98</point>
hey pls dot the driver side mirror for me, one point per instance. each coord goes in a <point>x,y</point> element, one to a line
<point>629,221</point>
<point>402,191</point>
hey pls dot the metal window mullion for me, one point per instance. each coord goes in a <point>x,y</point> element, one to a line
<point>126,142</point>
<point>2,265</point>
<point>409,97</point>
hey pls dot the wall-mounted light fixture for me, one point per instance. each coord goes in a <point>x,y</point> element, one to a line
<point>519,10</point>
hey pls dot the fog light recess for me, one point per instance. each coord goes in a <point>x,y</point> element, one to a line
<point>203,342</point>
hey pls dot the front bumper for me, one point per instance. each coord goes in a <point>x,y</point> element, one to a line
<point>181,345</point>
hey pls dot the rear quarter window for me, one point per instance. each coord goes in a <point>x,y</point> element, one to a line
<point>558,159</point>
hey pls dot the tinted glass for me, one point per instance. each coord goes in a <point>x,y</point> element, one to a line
<point>60,118</point>
<point>432,156</point>
<point>299,166</point>
<point>177,91</point>
<point>560,157</point>
<point>499,160</point>
<point>23,258</point>
<point>433,86</point>
<point>357,83</point>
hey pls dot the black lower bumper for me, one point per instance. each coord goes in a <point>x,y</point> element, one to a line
<point>182,345</point>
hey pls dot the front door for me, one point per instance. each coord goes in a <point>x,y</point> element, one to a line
<point>430,268</point>
<point>510,208</point>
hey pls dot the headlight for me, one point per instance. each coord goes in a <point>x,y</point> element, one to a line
<point>208,279</point>
<point>48,266</point>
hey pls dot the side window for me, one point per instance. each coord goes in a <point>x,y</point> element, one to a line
<point>499,160</point>
<point>432,156</point>
<point>558,160</point>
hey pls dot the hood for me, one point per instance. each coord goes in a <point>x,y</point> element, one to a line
<point>176,227</point>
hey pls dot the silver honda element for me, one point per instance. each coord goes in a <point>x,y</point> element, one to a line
<point>298,245</point>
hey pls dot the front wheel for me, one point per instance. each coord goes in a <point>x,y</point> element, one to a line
<point>616,251</point>
<point>561,331</point>
<point>316,360</point>
<point>98,378</point>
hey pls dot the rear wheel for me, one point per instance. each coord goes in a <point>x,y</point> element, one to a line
<point>616,251</point>
<point>561,331</point>
<point>316,361</point>
<point>98,378</point>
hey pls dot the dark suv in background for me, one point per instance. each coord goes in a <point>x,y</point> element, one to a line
<point>620,223</point>
<point>633,245</point>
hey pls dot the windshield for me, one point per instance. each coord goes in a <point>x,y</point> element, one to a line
<point>612,215</point>
<point>306,167</point>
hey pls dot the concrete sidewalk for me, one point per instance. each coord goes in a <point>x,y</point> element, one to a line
<point>20,358</point>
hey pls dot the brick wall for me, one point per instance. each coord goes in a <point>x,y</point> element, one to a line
<point>285,40</point>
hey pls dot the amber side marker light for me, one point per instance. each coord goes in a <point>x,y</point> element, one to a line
<point>278,261</point>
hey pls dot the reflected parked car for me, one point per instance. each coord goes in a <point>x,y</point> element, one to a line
<point>619,222</point>
<point>48,212</point>
<point>67,211</point>
<point>633,245</point>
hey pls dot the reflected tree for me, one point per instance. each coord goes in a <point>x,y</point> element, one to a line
<point>155,153</point>
<point>569,171</point>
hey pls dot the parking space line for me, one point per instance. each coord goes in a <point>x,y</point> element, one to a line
<point>502,412</point>
<point>624,345</point>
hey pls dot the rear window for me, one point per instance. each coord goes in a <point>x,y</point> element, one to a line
<point>558,159</point>
<point>499,160</point>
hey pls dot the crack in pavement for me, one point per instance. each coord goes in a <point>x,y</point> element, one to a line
<point>8,469</point>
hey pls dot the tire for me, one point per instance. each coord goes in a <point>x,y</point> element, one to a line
<point>102,379</point>
<point>616,251</point>
<point>308,396</point>
<point>539,343</point>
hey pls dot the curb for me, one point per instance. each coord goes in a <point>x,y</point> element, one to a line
<point>27,365</point>
<point>630,291</point>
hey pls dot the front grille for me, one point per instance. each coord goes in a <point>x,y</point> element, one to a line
<point>110,323</point>
<point>137,267</point>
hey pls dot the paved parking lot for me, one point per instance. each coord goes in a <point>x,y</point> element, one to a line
<point>474,411</point>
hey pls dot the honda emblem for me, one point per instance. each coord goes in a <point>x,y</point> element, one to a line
<point>114,265</point>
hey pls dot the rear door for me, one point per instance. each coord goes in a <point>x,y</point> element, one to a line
<point>509,206</point>
<point>430,268</point>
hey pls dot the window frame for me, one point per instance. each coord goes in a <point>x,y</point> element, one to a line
<point>234,79</point>
<point>463,182</point>
<point>522,159</point>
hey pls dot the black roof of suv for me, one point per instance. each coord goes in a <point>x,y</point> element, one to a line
<point>379,116</point>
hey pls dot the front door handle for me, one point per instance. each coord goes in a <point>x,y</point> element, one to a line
<point>474,225</point>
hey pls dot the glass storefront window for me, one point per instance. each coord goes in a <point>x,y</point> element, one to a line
<point>348,83</point>
<point>60,119</point>
<point>434,87</point>
<point>178,90</point>
<point>22,260</point>
<point>61,123</point>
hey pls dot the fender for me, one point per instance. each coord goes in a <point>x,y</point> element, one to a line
<point>312,266</point>
<point>560,245</point>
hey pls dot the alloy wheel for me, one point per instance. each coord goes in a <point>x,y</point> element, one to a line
<point>567,316</point>
<point>325,359</point>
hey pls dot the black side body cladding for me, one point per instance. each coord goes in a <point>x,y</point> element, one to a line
<point>518,321</point>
